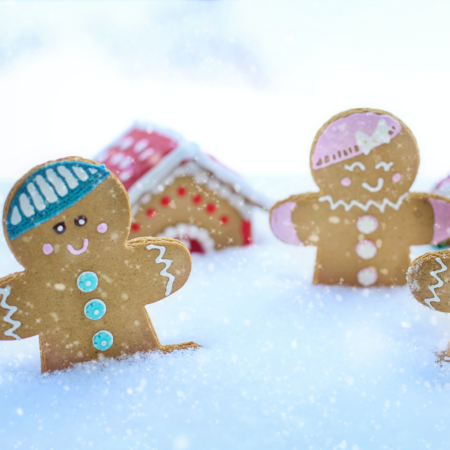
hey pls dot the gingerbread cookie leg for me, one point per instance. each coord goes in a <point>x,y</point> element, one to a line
<point>170,347</point>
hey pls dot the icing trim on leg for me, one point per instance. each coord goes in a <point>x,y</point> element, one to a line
<point>282,225</point>
<point>441,210</point>
<point>11,310</point>
<point>167,262</point>
<point>439,284</point>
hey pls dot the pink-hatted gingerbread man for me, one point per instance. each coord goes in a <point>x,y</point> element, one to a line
<point>364,219</point>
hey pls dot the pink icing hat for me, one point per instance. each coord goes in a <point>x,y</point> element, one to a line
<point>353,135</point>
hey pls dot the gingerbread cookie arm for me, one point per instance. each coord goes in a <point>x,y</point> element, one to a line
<point>428,279</point>
<point>165,265</point>
<point>293,220</point>
<point>441,211</point>
<point>429,217</point>
<point>15,322</point>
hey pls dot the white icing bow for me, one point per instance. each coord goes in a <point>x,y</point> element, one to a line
<point>380,135</point>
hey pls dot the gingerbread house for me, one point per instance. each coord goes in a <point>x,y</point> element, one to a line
<point>178,191</point>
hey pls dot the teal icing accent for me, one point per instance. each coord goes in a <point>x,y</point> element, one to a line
<point>91,176</point>
<point>103,340</point>
<point>87,282</point>
<point>94,309</point>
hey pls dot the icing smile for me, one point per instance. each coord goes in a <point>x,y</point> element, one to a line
<point>378,187</point>
<point>81,250</point>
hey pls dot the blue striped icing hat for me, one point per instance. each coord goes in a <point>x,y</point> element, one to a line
<point>50,190</point>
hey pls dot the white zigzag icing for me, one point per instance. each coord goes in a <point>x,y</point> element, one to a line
<point>439,283</point>
<point>11,310</point>
<point>167,262</point>
<point>364,207</point>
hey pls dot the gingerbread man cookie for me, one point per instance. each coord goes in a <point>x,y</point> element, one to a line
<point>429,281</point>
<point>364,219</point>
<point>84,287</point>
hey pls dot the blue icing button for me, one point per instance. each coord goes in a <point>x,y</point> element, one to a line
<point>103,340</point>
<point>87,282</point>
<point>94,309</point>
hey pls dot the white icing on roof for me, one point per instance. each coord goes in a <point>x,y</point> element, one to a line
<point>190,151</point>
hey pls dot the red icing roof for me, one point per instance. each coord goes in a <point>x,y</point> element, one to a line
<point>135,153</point>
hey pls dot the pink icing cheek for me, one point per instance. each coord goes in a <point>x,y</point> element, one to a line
<point>346,181</point>
<point>102,228</point>
<point>47,249</point>
<point>396,177</point>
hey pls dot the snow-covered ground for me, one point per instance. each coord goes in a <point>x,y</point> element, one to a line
<point>284,365</point>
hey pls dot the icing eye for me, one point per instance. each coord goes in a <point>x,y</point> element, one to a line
<point>80,221</point>
<point>59,228</point>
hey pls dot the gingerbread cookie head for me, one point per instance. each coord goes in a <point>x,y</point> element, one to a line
<point>50,212</point>
<point>364,154</point>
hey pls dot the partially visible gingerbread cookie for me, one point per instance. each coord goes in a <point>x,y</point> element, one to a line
<point>429,281</point>
<point>364,219</point>
<point>85,286</point>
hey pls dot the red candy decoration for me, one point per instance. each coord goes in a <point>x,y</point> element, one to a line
<point>135,226</point>
<point>247,232</point>
<point>165,201</point>
<point>197,198</point>
<point>182,191</point>
<point>211,208</point>
<point>224,220</point>
<point>152,213</point>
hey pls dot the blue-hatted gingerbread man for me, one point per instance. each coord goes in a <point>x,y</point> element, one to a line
<point>85,286</point>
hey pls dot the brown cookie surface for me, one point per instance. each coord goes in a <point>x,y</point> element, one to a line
<point>85,286</point>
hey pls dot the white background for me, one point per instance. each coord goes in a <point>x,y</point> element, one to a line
<point>284,364</point>
<point>251,82</point>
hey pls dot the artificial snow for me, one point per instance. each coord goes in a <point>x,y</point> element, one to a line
<point>284,365</point>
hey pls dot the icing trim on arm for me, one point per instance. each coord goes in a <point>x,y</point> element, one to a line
<point>11,310</point>
<point>439,284</point>
<point>167,262</point>
<point>441,210</point>
<point>282,225</point>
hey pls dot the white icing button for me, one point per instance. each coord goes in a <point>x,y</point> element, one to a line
<point>367,276</point>
<point>367,224</point>
<point>366,249</point>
